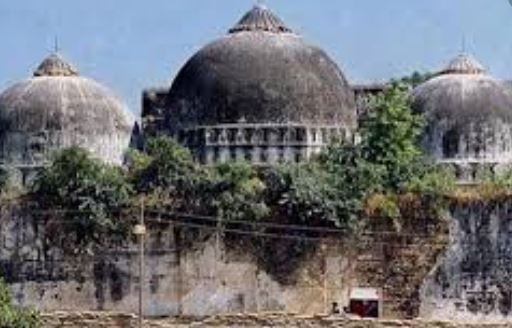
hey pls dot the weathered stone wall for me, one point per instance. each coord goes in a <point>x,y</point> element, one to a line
<point>472,281</point>
<point>398,263</point>
<point>202,278</point>
<point>106,320</point>
<point>412,270</point>
<point>200,282</point>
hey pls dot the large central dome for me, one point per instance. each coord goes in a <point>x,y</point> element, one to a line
<point>261,72</point>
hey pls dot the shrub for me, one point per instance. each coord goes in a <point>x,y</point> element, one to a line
<point>88,194</point>
<point>237,192</point>
<point>390,135</point>
<point>168,176</point>
<point>15,317</point>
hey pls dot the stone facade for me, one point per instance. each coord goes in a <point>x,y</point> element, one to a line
<point>200,279</point>
<point>206,277</point>
<point>114,320</point>
<point>411,269</point>
<point>259,143</point>
<point>153,107</point>
<point>267,143</point>
<point>472,280</point>
<point>255,143</point>
<point>25,153</point>
<point>479,150</point>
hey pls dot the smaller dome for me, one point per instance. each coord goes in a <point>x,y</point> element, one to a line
<point>57,108</point>
<point>468,114</point>
<point>463,91</point>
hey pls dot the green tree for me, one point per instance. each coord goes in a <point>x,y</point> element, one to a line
<point>15,317</point>
<point>83,197</point>
<point>236,192</point>
<point>168,176</point>
<point>413,80</point>
<point>353,177</point>
<point>303,193</point>
<point>390,137</point>
<point>370,176</point>
<point>170,165</point>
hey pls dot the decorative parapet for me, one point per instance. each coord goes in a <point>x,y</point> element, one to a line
<point>259,143</point>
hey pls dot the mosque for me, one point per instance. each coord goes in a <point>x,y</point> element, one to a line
<point>260,93</point>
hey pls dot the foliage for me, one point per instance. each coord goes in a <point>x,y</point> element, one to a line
<point>136,163</point>
<point>14,317</point>
<point>335,189</point>
<point>492,186</point>
<point>168,175</point>
<point>413,80</point>
<point>353,177</point>
<point>237,192</point>
<point>501,180</point>
<point>424,197</point>
<point>372,176</point>
<point>384,206</point>
<point>291,195</point>
<point>169,165</point>
<point>301,192</point>
<point>431,180</point>
<point>345,182</point>
<point>88,192</point>
<point>389,137</point>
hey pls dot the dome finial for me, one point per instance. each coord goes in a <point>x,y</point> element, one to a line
<point>56,45</point>
<point>260,4</point>
<point>55,65</point>
<point>463,64</point>
<point>260,18</point>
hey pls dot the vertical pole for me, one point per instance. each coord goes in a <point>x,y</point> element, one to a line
<point>325,295</point>
<point>217,241</point>
<point>326,308</point>
<point>56,45</point>
<point>218,254</point>
<point>141,264</point>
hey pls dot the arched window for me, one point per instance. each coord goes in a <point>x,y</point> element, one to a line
<point>247,154</point>
<point>264,155</point>
<point>232,153</point>
<point>451,143</point>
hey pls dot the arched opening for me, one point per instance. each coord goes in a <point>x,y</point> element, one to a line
<point>451,144</point>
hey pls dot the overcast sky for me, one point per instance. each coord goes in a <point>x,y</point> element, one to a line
<point>133,44</point>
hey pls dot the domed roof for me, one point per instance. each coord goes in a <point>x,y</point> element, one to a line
<point>57,100</point>
<point>463,92</point>
<point>261,72</point>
